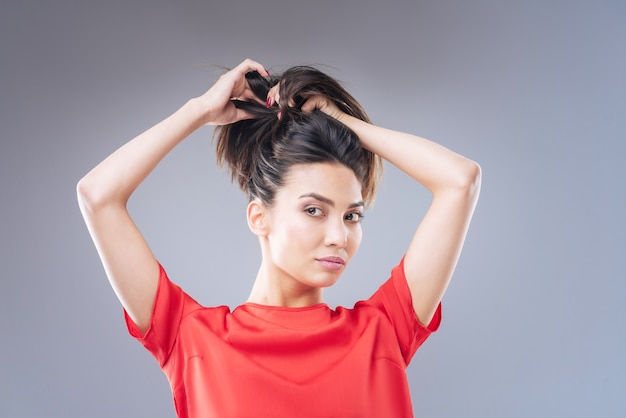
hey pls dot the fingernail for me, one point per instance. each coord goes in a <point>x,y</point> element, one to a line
<point>268,102</point>
<point>268,73</point>
<point>279,115</point>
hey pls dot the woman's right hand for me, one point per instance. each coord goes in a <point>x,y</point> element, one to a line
<point>103,193</point>
<point>217,103</point>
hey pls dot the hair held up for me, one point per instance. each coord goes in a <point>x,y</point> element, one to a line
<point>259,152</point>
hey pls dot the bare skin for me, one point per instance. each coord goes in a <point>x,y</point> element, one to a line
<point>454,182</point>
<point>316,216</point>
<point>133,270</point>
<point>104,192</point>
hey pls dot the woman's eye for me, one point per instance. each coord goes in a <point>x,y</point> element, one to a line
<point>313,211</point>
<point>354,217</point>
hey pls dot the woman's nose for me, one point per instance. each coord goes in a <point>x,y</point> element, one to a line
<point>336,234</point>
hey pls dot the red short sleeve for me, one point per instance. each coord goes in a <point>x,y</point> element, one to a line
<point>394,298</point>
<point>170,306</point>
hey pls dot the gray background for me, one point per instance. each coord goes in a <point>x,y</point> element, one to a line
<point>535,91</point>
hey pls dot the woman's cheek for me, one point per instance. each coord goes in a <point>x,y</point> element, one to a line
<point>354,240</point>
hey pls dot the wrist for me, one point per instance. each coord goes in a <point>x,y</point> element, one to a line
<point>350,121</point>
<point>198,111</point>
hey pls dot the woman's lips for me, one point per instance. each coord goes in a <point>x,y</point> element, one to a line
<point>332,263</point>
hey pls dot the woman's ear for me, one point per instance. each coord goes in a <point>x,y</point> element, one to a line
<point>258,218</point>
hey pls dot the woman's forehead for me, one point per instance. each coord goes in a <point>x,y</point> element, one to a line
<point>331,180</point>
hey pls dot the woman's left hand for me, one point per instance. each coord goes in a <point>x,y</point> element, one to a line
<point>315,102</point>
<point>324,104</point>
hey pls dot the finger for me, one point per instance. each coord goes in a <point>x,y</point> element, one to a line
<point>251,65</point>
<point>243,115</point>
<point>248,95</point>
<point>273,96</point>
<point>315,102</point>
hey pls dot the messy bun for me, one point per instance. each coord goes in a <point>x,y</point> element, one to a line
<point>260,151</point>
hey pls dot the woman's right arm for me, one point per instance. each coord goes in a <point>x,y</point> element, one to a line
<point>104,192</point>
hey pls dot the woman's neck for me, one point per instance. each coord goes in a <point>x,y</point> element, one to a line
<point>274,288</point>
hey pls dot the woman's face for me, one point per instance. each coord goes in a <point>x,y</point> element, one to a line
<point>314,225</point>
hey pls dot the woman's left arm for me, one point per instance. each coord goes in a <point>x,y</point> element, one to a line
<point>454,182</point>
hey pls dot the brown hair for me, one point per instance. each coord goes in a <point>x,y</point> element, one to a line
<point>260,151</point>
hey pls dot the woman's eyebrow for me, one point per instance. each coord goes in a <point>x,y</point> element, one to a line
<point>328,201</point>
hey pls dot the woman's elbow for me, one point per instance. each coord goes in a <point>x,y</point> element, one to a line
<point>474,176</point>
<point>89,194</point>
<point>84,194</point>
<point>469,177</point>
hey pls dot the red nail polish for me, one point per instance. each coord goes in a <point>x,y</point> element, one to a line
<point>268,102</point>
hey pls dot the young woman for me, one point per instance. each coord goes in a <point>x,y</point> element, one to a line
<point>304,152</point>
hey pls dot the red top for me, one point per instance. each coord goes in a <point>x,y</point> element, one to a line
<point>265,361</point>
